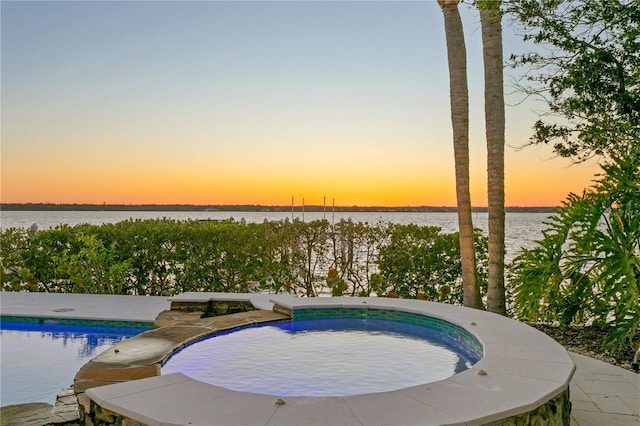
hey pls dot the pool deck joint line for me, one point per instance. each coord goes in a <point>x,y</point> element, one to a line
<point>600,393</point>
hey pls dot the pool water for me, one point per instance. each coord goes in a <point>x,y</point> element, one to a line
<point>37,360</point>
<point>333,357</point>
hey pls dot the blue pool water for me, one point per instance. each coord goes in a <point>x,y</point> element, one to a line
<point>37,360</point>
<point>331,357</point>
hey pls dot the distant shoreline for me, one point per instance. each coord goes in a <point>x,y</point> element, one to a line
<point>247,208</point>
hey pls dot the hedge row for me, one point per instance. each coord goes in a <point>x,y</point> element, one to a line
<point>166,257</point>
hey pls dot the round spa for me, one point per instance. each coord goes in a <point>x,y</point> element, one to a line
<point>482,369</point>
<point>344,352</point>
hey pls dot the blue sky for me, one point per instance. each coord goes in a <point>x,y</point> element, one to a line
<point>248,102</point>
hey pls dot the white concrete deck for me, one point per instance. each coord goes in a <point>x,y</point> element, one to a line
<point>101,307</point>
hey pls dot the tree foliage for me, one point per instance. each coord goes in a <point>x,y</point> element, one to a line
<point>166,257</point>
<point>421,263</point>
<point>586,268</point>
<point>354,257</point>
<point>586,67</point>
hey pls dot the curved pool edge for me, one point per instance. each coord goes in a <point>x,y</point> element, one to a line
<point>522,373</point>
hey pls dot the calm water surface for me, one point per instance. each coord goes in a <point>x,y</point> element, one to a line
<point>331,357</point>
<point>38,360</point>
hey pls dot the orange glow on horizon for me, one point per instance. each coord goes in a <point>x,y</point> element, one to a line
<point>272,192</point>
<point>379,177</point>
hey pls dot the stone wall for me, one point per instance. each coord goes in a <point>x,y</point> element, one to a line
<point>99,416</point>
<point>555,412</point>
<point>213,307</point>
<point>282,310</point>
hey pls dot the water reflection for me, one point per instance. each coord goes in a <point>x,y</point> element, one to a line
<point>87,338</point>
<point>40,359</point>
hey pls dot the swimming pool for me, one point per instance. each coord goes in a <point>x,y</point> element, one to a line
<point>323,357</point>
<point>39,357</point>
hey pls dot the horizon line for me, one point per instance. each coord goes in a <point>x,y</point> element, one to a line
<point>9,206</point>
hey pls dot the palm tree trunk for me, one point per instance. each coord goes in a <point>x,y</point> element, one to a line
<point>490,19</point>
<point>459,94</point>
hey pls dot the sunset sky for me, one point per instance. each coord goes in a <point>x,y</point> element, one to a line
<point>240,102</point>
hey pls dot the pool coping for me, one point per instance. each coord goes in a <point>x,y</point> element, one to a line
<point>522,369</point>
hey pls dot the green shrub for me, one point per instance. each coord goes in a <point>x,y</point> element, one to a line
<point>166,257</point>
<point>586,268</point>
